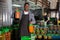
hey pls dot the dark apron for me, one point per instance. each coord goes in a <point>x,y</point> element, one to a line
<point>24,25</point>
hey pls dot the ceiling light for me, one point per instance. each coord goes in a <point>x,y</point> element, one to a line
<point>16,5</point>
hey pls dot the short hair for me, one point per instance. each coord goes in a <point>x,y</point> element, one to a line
<point>26,3</point>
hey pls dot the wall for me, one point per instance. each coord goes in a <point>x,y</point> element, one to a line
<point>53,3</point>
<point>6,11</point>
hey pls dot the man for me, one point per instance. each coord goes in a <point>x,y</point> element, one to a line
<point>48,16</point>
<point>55,21</point>
<point>16,19</point>
<point>26,18</point>
<point>16,16</point>
<point>46,19</point>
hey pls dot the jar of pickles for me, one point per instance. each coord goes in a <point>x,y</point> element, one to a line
<point>46,30</point>
<point>45,36</point>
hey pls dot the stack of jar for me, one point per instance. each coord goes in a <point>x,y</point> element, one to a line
<point>47,32</point>
<point>54,29</point>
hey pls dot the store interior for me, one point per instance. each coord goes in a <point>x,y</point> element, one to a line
<point>46,14</point>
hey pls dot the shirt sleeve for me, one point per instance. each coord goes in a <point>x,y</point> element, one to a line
<point>12,16</point>
<point>20,15</point>
<point>32,19</point>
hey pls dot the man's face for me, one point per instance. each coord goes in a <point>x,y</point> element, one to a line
<point>16,9</point>
<point>26,7</point>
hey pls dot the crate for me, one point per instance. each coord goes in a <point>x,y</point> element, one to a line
<point>2,37</point>
<point>25,38</point>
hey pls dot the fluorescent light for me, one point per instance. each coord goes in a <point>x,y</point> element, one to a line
<point>16,5</point>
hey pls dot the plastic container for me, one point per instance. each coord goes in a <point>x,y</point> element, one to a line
<point>40,36</point>
<point>17,14</point>
<point>7,34</point>
<point>33,36</point>
<point>45,37</point>
<point>55,37</point>
<point>2,35</point>
<point>49,36</point>
<point>31,28</point>
<point>25,38</point>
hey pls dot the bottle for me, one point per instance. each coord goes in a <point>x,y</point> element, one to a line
<point>37,38</point>
<point>17,14</point>
<point>49,38</point>
<point>45,37</point>
<point>40,37</point>
<point>31,28</point>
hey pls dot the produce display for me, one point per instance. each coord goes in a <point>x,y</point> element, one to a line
<point>37,32</point>
<point>46,33</point>
<point>52,32</point>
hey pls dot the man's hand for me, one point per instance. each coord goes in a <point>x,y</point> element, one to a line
<point>30,22</point>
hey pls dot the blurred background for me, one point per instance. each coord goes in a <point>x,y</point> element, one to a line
<point>41,9</point>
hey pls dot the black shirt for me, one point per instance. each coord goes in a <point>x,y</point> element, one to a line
<point>45,18</point>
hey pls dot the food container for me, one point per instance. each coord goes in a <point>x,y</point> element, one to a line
<point>42,32</point>
<point>31,28</point>
<point>49,37</point>
<point>40,36</point>
<point>25,38</point>
<point>2,35</point>
<point>45,37</point>
<point>51,27</point>
<point>54,32</point>
<point>33,36</point>
<point>58,28</point>
<point>17,14</point>
<point>7,34</point>
<point>50,31</point>
<point>55,27</point>
<point>45,30</point>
